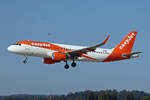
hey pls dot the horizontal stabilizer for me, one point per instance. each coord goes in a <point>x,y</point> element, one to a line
<point>132,55</point>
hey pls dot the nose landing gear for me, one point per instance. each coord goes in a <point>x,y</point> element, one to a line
<point>25,60</point>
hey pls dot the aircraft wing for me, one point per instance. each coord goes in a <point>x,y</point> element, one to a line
<point>79,52</point>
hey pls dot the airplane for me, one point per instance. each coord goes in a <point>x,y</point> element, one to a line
<point>53,53</point>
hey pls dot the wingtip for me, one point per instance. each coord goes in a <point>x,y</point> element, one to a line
<point>106,39</point>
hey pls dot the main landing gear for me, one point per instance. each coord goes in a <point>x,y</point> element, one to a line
<point>67,66</point>
<point>73,64</point>
<point>25,60</point>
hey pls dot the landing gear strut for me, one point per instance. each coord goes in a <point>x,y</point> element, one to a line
<point>73,64</point>
<point>25,60</point>
<point>66,66</point>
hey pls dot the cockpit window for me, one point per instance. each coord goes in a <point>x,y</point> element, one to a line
<point>17,44</point>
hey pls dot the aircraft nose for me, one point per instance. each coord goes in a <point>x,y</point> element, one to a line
<point>11,49</point>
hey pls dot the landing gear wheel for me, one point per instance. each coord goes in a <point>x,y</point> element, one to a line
<point>25,61</point>
<point>66,66</point>
<point>73,64</point>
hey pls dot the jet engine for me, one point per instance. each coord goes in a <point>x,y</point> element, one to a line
<point>57,56</point>
<point>48,61</point>
<point>54,57</point>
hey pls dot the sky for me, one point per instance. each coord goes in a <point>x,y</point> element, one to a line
<point>75,22</point>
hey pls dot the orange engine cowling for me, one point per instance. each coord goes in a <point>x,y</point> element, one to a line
<point>48,61</point>
<point>56,56</point>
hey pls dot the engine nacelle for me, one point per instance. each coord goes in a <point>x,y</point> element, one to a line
<point>57,56</point>
<point>54,57</point>
<point>48,61</point>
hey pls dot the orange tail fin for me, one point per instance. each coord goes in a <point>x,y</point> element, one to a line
<point>124,47</point>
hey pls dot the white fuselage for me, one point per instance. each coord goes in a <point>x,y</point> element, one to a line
<point>98,55</point>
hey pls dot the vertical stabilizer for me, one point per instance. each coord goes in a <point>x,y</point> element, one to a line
<point>124,47</point>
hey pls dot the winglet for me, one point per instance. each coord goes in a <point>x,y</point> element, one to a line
<point>106,39</point>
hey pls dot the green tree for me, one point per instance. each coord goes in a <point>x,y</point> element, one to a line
<point>146,98</point>
<point>92,96</point>
<point>138,98</point>
<point>130,96</point>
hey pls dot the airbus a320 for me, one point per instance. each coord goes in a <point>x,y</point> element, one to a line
<point>53,53</point>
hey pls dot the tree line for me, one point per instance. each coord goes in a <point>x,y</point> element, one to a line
<point>87,95</point>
